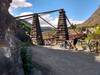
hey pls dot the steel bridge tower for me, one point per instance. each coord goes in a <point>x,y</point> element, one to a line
<point>62,29</point>
<point>36,33</point>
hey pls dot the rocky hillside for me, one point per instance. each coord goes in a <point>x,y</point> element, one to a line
<point>94,19</point>
<point>11,39</point>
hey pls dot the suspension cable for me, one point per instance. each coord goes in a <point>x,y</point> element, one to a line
<point>26,18</point>
<point>68,21</point>
<point>48,12</point>
<point>47,22</point>
<point>71,25</point>
<point>23,16</point>
<point>38,13</point>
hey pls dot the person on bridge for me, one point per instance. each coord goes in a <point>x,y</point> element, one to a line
<point>75,42</point>
<point>97,46</point>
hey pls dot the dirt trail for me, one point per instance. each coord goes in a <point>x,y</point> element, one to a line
<point>61,62</point>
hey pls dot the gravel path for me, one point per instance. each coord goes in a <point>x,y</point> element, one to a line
<point>61,62</point>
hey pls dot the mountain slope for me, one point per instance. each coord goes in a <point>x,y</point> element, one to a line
<point>94,19</point>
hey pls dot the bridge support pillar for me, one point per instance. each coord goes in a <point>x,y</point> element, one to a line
<point>62,29</point>
<point>36,33</point>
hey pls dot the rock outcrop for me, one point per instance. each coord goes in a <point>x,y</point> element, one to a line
<point>10,60</point>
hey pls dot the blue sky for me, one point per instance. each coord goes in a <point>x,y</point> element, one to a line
<point>75,9</point>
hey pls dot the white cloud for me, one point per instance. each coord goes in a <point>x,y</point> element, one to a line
<point>76,21</point>
<point>18,4</point>
<point>11,10</point>
<point>55,21</point>
<point>25,13</point>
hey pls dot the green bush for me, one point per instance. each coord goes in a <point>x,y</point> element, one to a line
<point>26,59</point>
<point>25,26</point>
<point>94,34</point>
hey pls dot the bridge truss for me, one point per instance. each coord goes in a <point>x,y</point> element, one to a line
<point>61,31</point>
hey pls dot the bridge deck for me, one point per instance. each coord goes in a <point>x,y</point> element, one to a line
<point>61,62</point>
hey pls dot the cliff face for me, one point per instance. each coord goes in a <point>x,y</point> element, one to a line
<point>11,38</point>
<point>7,22</point>
<point>10,60</point>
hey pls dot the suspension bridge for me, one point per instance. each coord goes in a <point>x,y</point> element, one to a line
<point>62,32</point>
